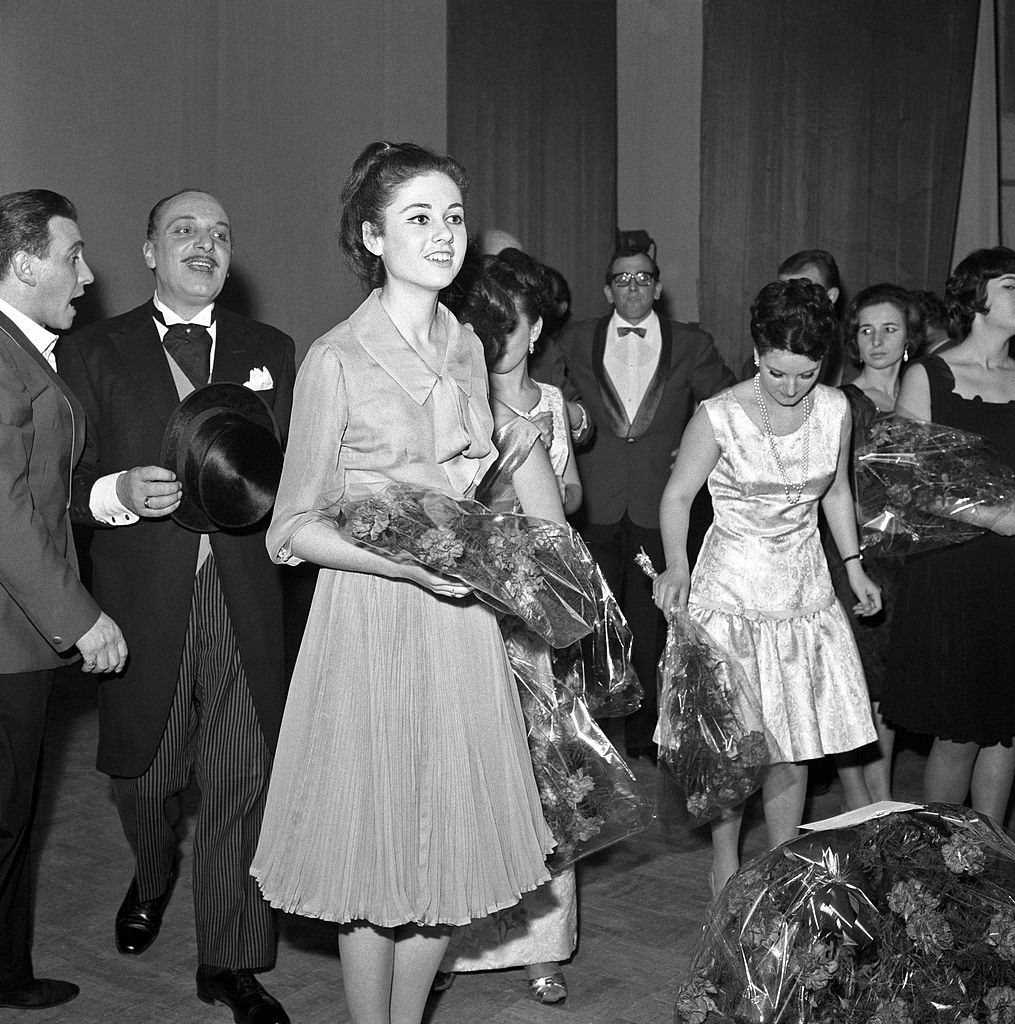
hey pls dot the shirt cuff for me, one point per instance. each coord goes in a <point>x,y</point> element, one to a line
<point>105,506</point>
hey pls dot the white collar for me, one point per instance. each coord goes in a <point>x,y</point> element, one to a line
<point>42,339</point>
<point>204,317</point>
<point>647,324</point>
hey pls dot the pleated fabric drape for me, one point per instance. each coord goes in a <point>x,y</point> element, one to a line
<point>532,109</point>
<point>833,124</point>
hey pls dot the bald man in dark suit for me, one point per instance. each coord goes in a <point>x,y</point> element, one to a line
<point>205,686</point>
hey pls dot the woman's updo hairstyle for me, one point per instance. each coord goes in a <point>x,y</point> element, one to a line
<point>379,171</point>
<point>966,291</point>
<point>894,295</point>
<point>501,286</point>
<point>794,316</point>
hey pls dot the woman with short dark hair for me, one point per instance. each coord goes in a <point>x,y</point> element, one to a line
<point>952,648</point>
<point>771,449</point>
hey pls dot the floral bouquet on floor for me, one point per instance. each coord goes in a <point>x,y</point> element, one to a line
<point>907,918</point>
<point>540,571</point>
<point>711,736</point>
<point>590,798</point>
<point>914,480</point>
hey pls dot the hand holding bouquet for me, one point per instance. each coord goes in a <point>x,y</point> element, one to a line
<point>711,737</point>
<point>540,571</point>
<point>924,485</point>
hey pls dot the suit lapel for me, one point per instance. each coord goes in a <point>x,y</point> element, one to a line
<point>77,413</point>
<point>650,402</point>
<point>234,355</point>
<point>616,415</point>
<point>140,350</point>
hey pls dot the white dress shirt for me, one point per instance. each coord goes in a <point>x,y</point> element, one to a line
<point>631,361</point>
<point>103,502</point>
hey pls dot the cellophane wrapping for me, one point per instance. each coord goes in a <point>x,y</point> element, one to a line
<point>907,918</point>
<point>914,480</point>
<point>537,570</point>
<point>711,736</point>
<point>590,798</point>
<point>612,688</point>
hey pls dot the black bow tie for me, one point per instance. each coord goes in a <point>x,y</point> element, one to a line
<point>190,347</point>
<point>640,331</point>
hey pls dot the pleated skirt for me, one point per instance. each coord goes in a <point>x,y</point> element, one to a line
<point>402,789</point>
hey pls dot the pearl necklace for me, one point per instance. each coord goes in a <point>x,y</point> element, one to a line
<point>787,486</point>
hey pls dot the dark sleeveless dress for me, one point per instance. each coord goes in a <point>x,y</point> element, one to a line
<point>873,632</point>
<point>951,669</point>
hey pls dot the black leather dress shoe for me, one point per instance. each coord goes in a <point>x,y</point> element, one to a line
<point>39,994</point>
<point>138,921</point>
<point>242,993</point>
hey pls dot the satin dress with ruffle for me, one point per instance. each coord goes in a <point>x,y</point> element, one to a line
<point>402,789</point>
<point>761,586</point>
<point>543,926</point>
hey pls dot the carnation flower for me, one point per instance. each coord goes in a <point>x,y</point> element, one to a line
<point>963,856</point>
<point>908,897</point>
<point>929,931</point>
<point>1000,1000</point>
<point>894,1012</point>
<point>1001,934</point>
<point>694,1001</point>
<point>441,548</point>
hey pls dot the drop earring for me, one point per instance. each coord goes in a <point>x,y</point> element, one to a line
<point>532,345</point>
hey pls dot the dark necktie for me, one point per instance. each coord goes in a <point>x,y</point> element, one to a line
<point>190,347</point>
<point>640,331</point>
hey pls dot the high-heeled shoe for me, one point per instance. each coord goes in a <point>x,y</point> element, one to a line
<point>443,980</point>
<point>549,989</point>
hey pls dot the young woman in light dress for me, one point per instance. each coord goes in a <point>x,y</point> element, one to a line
<point>771,449</point>
<point>402,800</point>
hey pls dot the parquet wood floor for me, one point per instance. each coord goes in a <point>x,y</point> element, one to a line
<point>641,903</point>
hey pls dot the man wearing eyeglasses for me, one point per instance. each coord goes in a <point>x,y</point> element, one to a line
<point>638,375</point>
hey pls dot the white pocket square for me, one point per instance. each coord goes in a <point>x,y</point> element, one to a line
<point>259,380</point>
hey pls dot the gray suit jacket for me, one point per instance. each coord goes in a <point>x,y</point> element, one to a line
<point>44,609</point>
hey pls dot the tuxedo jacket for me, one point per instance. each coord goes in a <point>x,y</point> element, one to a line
<point>143,574</point>
<point>626,465</point>
<point>44,609</point>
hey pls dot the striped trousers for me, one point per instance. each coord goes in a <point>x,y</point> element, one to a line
<point>213,731</point>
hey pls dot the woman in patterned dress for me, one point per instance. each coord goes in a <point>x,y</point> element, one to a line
<point>771,449</point>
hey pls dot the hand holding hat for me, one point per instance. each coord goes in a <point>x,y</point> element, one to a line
<point>222,443</point>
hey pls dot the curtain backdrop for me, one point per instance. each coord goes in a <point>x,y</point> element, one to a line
<point>832,124</point>
<point>532,116</point>
<point>116,103</point>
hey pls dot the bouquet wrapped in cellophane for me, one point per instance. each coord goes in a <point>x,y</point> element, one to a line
<point>904,918</point>
<point>540,571</point>
<point>711,737</point>
<point>611,687</point>
<point>915,480</point>
<point>590,798</point>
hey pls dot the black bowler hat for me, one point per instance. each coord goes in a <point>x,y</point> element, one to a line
<point>222,443</point>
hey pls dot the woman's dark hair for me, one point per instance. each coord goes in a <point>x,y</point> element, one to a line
<point>966,291</point>
<point>794,316</point>
<point>381,169</point>
<point>895,295</point>
<point>500,287</point>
